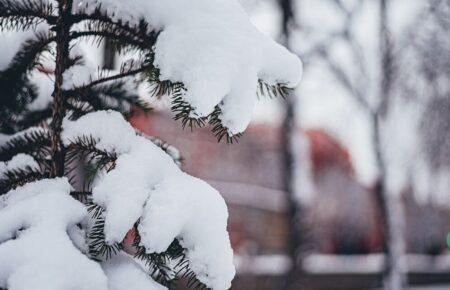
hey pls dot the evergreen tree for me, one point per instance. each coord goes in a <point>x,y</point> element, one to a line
<point>141,205</point>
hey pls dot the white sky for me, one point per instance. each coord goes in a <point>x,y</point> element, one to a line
<point>322,101</point>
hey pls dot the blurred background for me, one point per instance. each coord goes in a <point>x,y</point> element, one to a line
<point>345,184</point>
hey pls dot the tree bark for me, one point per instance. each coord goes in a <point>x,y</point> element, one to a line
<point>392,215</point>
<point>289,140</point>
<point>390,205</point>
<point>294,208</point>
<point>62,28</point>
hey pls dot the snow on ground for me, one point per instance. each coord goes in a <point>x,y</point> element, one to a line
<point>147,183</point>
<point>373,263</point>
<point>263,265</point>
<point>223,54</point>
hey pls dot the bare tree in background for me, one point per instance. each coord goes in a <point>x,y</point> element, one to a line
<point>389,205</point>
<point>424,78</point>
<point>289,146</point>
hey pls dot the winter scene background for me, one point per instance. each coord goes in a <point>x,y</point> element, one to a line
<point>225,144</point>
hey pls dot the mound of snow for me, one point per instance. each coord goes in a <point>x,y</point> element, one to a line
<point>213,49</point>
<point>146,183</point>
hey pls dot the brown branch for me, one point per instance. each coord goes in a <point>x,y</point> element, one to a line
<point>62,29</point>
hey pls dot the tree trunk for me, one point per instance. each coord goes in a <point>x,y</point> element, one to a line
<point>391,212</point>
<point>289,140</point>
<point>389,204</point>
<point>294,209</point>
<point>62,27</point>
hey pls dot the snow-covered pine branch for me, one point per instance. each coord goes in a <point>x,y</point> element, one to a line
<point>139,222</point>
<point>146,184</point>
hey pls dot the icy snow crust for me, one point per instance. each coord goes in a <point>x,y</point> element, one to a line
<point>147,184</point>
<point>42,256</point>
<point>213,49</point>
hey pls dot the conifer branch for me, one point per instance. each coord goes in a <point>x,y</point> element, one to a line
<point>125,71</point>
<point>99,20</point>
<point>98,248</point>
<point>19,177</point>
<point>24,14</point>
<point>220,131</point>
<point>120,40</point>
<point>84,197</point>
<point>16,89</point>
<point>159,264</point>
<point>185,112</point>
<point>273,91</point>
<point>33,118</point>
<point>113,96</point>
<point>99,160</point>
<point>35,143</point>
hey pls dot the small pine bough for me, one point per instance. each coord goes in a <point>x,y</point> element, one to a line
<point>138,221</point>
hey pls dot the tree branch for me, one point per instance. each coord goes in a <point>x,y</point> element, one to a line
<point>128,40</point>
<point>118,76</point>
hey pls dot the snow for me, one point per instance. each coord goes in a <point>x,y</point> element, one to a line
<point>223,54</point>
<point>270,265</point>
<point>200,222</point>
<point>6,138</point>
<point>124,274</point>
<point>114,135</point>
<point>45,85</point>
<point>11,43</point>
<point>77,76</point>
<point>372,263</point>
<point>20,161</point>
<point>146,183</point>
<point>36,251</point>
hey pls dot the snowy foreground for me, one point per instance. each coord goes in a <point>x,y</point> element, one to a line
<point>204,54</point>
<point>145,183</point>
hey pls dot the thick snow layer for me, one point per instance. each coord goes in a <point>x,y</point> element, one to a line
<point>200,222</point>
<point>124,274</point>
<point>212,47</point>
<point>20,161</point>
<point>113,133</point>
<point>36,251</point>
<point>147,183</point>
